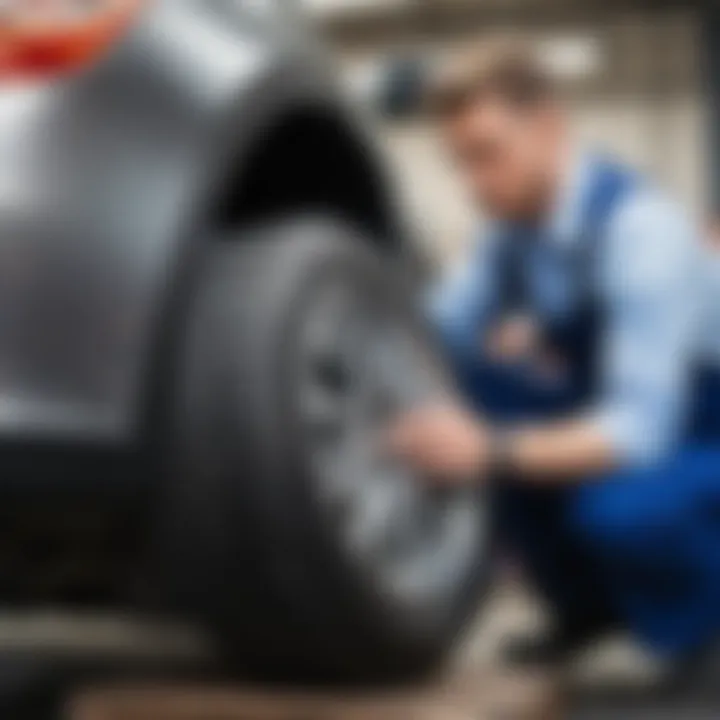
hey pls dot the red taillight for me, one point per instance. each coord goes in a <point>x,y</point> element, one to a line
<point>43,37</point>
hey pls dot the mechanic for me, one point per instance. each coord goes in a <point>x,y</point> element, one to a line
<point>574,330</point>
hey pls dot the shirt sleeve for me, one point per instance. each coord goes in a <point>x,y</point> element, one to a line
<point>459,304</point>
<point>649,276</point>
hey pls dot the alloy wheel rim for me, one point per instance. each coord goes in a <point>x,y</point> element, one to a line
<point>359,366</point>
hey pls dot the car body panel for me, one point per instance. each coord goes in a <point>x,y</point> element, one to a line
<point>106,178</point>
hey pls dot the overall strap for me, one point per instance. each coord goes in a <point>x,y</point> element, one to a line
<point>609,185</point>
<point>580,337</point>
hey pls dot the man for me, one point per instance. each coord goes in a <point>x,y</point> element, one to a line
<point>573,329</point>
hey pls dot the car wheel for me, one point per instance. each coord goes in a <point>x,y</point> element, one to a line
<point>286,529</point>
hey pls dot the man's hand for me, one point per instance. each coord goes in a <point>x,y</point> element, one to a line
<point>444,441</point>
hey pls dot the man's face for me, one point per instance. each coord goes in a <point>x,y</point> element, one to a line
<point>506,156</point>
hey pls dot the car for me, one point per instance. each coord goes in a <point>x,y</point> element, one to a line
<point>209,310</point>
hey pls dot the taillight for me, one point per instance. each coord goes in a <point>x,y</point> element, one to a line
<point>43,37</point>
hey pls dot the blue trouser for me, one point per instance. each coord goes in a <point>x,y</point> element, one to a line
<point>643,540</point>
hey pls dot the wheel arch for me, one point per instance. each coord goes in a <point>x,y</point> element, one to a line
<point>309,158</point>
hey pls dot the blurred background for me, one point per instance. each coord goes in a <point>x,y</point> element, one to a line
<point>642,79</point>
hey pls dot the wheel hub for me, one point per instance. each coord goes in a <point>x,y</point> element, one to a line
<point>361,365</point>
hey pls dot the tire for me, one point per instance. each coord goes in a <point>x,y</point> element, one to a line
<point>310,556</point>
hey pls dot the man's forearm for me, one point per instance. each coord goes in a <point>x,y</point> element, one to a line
<point>559,452</point>
<point>449,442</point>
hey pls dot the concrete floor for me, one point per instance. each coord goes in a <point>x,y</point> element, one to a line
<point>474,685</point>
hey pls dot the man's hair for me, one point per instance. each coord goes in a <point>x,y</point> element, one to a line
<point>507,69</point>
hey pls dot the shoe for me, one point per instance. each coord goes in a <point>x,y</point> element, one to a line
<point>553,648</point>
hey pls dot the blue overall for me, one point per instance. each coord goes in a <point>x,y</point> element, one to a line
<point>643,539</point>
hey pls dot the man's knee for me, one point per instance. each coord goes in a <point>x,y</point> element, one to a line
<point>623,513</point>
<point>596,516</point>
